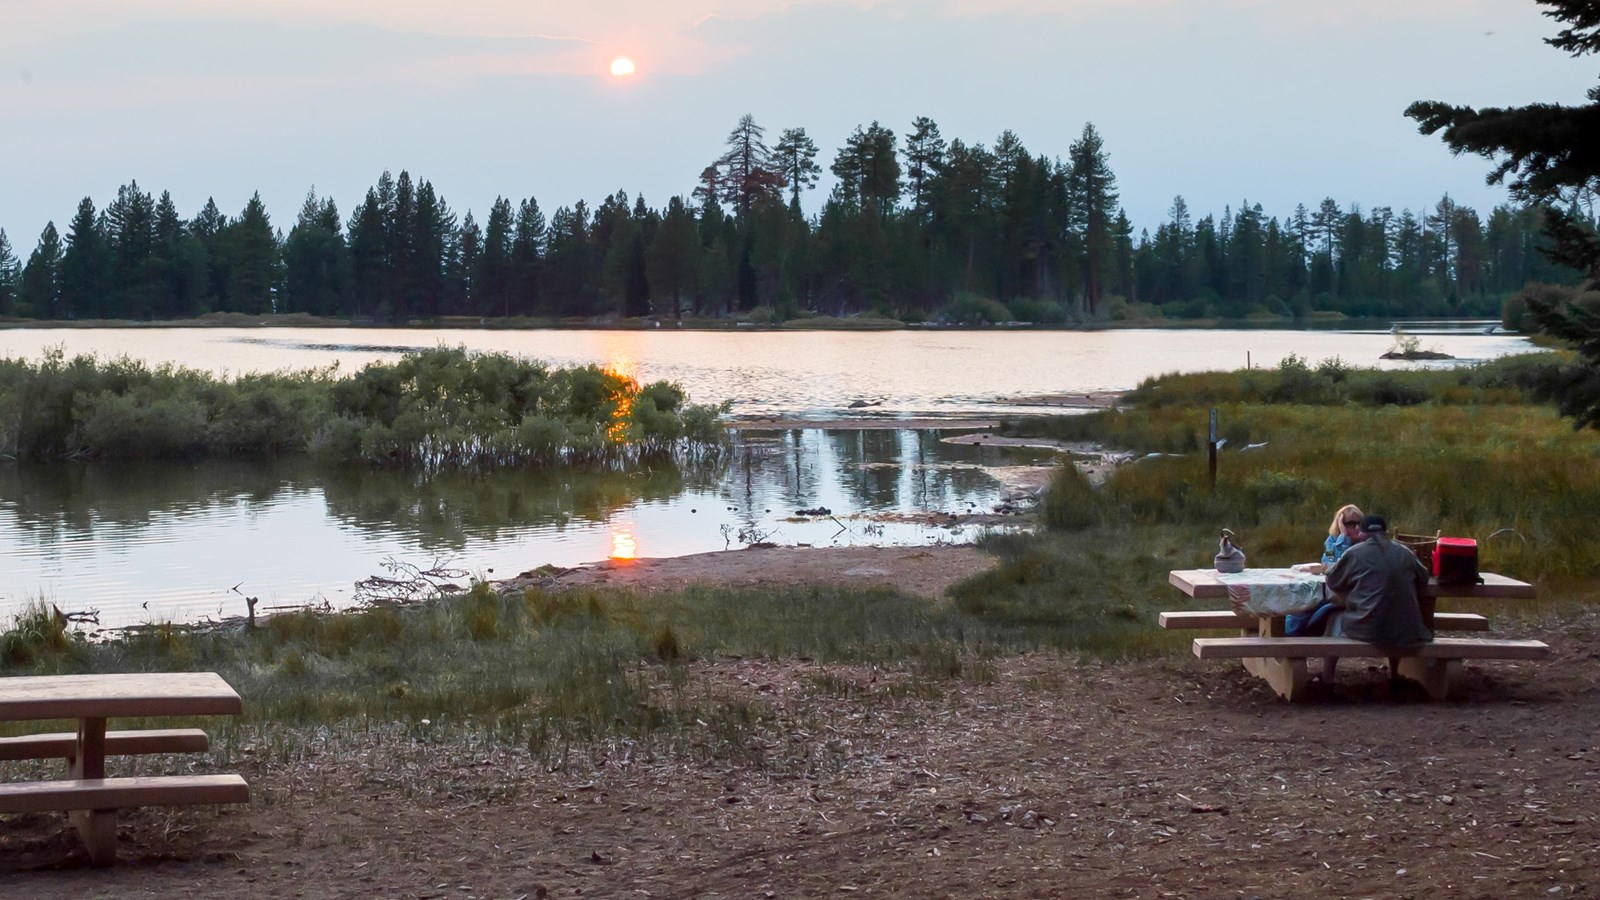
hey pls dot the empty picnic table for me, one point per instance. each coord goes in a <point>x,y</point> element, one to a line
<point>1267,652</point>
<point>86,794</point>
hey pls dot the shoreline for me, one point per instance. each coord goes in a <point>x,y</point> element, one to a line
<point>813,323</point>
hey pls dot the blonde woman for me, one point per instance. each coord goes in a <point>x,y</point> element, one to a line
<point>1344,533</point>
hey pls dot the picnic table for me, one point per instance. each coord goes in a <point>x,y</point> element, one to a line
<point>1266,651</point>
<point>86,794</point>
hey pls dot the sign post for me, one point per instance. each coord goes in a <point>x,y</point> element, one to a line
<point>1211,443</point>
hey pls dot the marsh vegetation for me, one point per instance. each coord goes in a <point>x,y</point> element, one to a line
<point>1473,452</point>
<point>435,409</point>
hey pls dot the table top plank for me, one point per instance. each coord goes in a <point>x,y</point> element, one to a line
<point>1203,584</point>
<point>121,695</point>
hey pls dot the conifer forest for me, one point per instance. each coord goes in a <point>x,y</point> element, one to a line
<point>916,227</point>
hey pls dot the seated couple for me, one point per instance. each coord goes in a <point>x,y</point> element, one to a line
<point>1373,586</point>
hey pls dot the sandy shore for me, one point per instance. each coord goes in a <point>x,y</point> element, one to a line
<point>927,571</point>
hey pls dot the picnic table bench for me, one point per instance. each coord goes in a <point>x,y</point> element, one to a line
<point>1268,653</point>
<point>86,794</point>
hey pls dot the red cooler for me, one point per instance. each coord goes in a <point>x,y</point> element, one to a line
<point>1455,561</point>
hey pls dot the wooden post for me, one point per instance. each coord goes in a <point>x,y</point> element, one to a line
<point>1212,444</point>
<point>97,828</point>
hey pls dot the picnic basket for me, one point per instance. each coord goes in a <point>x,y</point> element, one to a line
<point>1420,544</point>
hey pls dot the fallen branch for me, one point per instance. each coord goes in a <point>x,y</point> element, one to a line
<point>408,583</point>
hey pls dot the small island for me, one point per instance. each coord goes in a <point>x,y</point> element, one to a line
<point>1415,354</point>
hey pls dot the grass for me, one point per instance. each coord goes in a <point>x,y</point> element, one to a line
<point>1473,452</point>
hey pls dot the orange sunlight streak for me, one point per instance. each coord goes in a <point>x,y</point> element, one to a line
<point>625,369</point>
<point>624,547</point>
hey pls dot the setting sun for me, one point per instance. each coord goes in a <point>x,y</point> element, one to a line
<point>622,67</point>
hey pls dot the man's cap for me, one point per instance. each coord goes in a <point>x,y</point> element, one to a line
<point>1370,524</point>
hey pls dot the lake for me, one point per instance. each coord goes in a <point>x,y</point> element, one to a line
<point>190,542</point>
<point>802,374</point>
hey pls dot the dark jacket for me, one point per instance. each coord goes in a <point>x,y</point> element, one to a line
<point>1379,581</point>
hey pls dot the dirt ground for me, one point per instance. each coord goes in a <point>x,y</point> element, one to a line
<point>1051,777</point>
<point>926,571</point>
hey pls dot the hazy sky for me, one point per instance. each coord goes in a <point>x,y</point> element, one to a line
<point>1275,101</point>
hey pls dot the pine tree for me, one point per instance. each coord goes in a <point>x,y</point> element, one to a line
<point>368,266</point>
<point>179,265</point>
<point>85,266</point>
<point>10,276</point>
<point>964,199</point>
<point>1552,158</point>
<point>868,165</point>
<point>316,261</point>
<point>795,158</point>
<point>492,285</point>
<point>251,251</point>
<point>924,152</point>
<point>746,169</point>
<point>1093,196</point>
<point>527,253</point>
<point>207,228</point>
<point>130,236</point>
<point>433,234</point>
<point>41,278</point>
<point>1547,151</point>
<point>464,267</point>
<point>670,258</point>
<point>570,257</point>
<point>404,260</point>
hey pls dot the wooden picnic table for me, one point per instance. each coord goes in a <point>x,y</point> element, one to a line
<point>1204,584</point>
<point>1267,652</point>
<point>92,799</point>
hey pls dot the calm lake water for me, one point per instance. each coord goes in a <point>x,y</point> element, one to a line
<point>190,542</point>
<point>805,374</point>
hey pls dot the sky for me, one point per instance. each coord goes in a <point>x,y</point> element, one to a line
<point>1275,102</point>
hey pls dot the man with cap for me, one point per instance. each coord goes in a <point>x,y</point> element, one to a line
<point>1375,585</point>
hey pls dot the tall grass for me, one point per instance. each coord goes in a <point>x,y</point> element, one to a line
<point>1468,453</point>
<point>436,409</point>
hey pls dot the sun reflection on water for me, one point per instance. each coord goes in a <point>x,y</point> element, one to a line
<point>624,546</point>
<point>625,368</point>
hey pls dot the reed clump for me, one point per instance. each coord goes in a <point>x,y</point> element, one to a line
<point>435,409</point>
<point>38,634</point>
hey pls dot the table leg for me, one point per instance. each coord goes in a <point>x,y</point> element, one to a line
<point>1288,677</point>
<point>97,828</point>
<point>1433,674</point>
<point>91,759</point>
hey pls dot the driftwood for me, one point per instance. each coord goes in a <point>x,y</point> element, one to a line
<point>408,583</point>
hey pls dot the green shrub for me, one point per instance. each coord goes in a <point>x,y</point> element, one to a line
<point>1069,502</point>
<point>971,309</point>
<point>1334,369</point>
<point>1387,390</point>
<point>1030,309</point>
<point>437,409</point>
